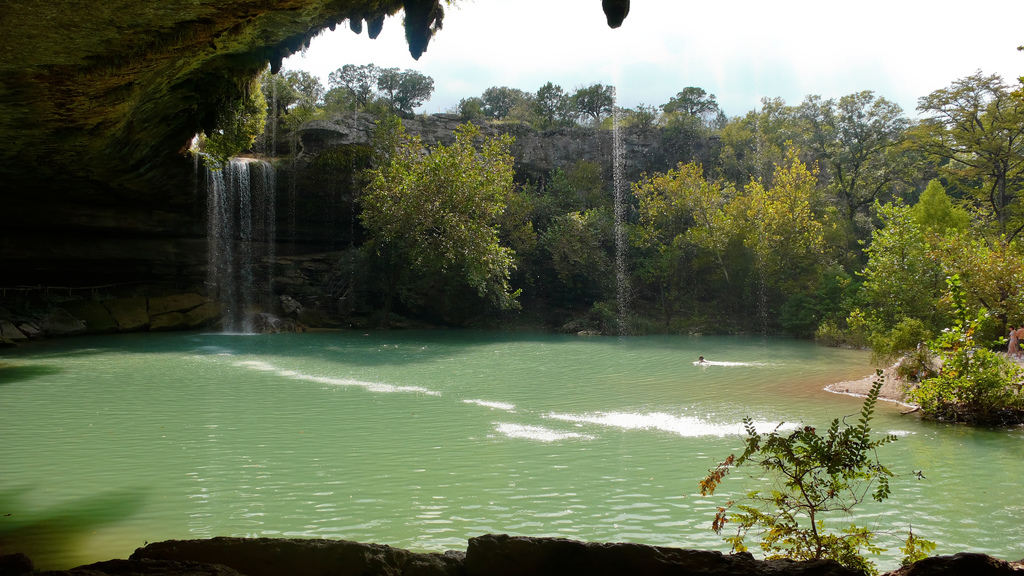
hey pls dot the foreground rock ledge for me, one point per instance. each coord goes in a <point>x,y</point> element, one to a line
<point>489,555</point>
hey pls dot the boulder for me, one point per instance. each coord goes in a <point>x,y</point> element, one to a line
<point>30,330</point>
<point>15,564</point>
<point>131,314</point>
<point>167,322</point>
<point>9,332</point>
<point>503,555</point>
<point>61,323</point>
<point>275,557</point>
<point>97,318</point>
<point>264,323</point>
<point>175,303</point>
<point>966,563</point>
<point>206,314</point>
<point>289,304</point>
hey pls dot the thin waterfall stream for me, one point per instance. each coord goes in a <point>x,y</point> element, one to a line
<point>621,206</point>
<point>241,234</point>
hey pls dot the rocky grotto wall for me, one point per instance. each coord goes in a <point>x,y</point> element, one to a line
<point>99,101</point>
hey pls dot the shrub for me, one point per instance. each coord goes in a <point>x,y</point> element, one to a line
<point>813,476</point>
<point>975,384</point>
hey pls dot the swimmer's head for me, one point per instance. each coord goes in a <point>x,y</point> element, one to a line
<point>700,358</point>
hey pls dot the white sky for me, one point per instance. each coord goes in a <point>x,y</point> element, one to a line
<point>739,50</point>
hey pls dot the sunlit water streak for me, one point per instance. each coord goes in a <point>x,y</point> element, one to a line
<point>424,439</point>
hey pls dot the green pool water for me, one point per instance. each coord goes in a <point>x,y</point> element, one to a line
<point>424,439</point>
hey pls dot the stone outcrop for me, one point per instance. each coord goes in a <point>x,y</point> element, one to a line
<point>536,153</point>
<point>73,317</point>
<point>488,555</point>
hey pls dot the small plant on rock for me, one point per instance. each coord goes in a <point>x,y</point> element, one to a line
<point>813,477</point>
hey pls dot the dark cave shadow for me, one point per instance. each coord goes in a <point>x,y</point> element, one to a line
<point>10,373</point>
<point>58,530</point>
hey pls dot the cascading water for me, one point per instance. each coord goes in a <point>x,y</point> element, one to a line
<point>619,182</point>
<point>236,240</point>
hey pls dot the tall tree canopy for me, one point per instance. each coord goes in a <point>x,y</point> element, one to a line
<point>856,141</point>
<point>594,101</point>
<point>976,127</point>
<point>432,214</point>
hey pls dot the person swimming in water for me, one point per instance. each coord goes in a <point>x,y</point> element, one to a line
<point>701,360</point>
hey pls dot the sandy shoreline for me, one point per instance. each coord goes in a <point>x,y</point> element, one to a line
<point>892,390</point>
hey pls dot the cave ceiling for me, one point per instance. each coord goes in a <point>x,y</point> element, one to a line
<point>107,94</point>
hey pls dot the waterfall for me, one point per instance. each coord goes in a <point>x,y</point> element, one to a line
<point>240,233</point>
<point>621,247</point>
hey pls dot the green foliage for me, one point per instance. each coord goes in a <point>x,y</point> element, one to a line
<point>991,270</point>
<point>856,140</point>
<point>238,125</point>
<point>403,90</point>
<point>975,128</point>
<point>499,101</point>
<point>935,212</point>
<point>579,244</point>
<point>368,87</point>
<point>594,101</point>
<point>904,338</point>
<point>813,476</point>
<point>974,384</point>
<point>358,81</point>
<point>900,280</point>
<point>780,225</point>
<point>471,109</point>
<point>695,102</point>
<point>432,213</point>
<point>553,106</point>
<point>915,549</point>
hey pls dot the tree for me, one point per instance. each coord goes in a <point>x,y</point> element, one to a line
<point>359,81</point>
<point>976,125</point>
<point>309,88</point>
<point>682,205</point>
<point>432,213</point>
<point>579,244</point>
<point>813,476</point>
<point>753,145</point>
<point>643,117</point>
<point>278,92</point>
<point>404,90</point>
<point>680,214</point>
<point>594,101</point>
<point>856,141</point>
<point>471,108</point>
<point>990,272</point>
<point>781,228</point>
<point>935,212</point>
<point>500,100</point>
<point>693,101</point>
<point>552,105</point>
<point>900,279</point>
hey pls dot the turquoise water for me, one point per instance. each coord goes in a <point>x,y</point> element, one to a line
<point>424,439</point>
